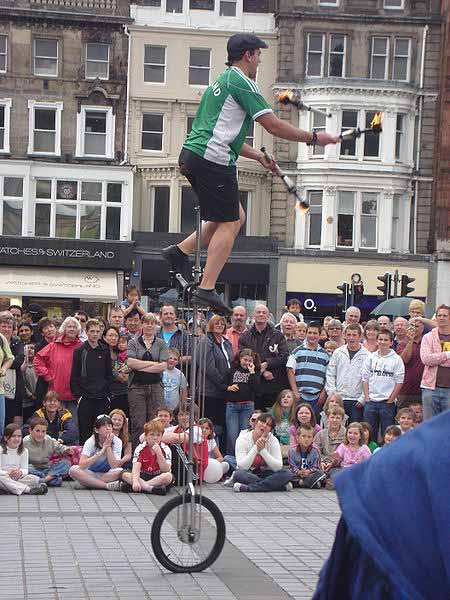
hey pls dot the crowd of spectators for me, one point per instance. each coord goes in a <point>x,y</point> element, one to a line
<point>106,403</point>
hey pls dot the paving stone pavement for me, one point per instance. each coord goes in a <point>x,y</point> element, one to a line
<point>86,545</point>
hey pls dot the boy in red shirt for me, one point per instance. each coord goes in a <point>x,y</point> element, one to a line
<point>152,460</point>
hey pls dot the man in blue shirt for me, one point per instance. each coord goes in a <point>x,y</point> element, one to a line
<point>174,336</point>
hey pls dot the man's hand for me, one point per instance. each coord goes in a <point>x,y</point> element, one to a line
<point>359,405</point>
<point>324,138</point>
<point>270,165</point>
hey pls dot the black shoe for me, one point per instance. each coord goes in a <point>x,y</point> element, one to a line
<point>159,491</point>
<point>178,261</point>
<point>126,487</point>
<point>212,299</point>
<point>40,490</point>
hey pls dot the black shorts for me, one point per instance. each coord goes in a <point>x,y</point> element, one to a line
<point>216,187</point>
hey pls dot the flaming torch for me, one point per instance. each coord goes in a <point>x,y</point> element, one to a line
<point>301,205</point>
<point>376,127</point>
<point>290,97</point>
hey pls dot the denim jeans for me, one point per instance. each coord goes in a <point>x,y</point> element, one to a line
<point>379,414</point>
<point>231,460</point>
<point>236,417</point>
<point>354,413</point>
<point>2,414</point>
<point>263,481</point>
<point>435,401</point>
<point>57,470</point>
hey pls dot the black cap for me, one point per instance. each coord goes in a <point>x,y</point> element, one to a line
<point>241,42</point>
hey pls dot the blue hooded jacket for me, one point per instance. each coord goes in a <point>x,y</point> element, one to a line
<point>393,539</point>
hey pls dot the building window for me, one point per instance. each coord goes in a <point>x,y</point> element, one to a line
<point>5,112</point>
<point>345,219</point>
<point>95,132</point>
<point>397,4</point>
<point>329,2</point>
<point>97,61</point>
<point>318,124</point>
<point>368,220</point>
<point>174,6</point>
<point>399,131</point>
<point>44,128</point>
<point>46,58</point>
<point>89,210</point>
<point>349,121</point>
<point>188,203</point>
<point>201,4</point>
<point>257,6</point>
<point>199,66</point>
<point>401,65</point>
<point>11,205</point>
<point>245,201</point>
<point>314,219</point>
<point>3,53</point>
<point>227,8</point>
<point>379,63</point>
<point>395,241</point>
<point>336,66</point>
<point>152,131</point>
<point>161,208</point>
<point>189,124</point>
<point>314,55</point>
<point>154,64</point>
<point>250,137</point>
<point>371,141</point>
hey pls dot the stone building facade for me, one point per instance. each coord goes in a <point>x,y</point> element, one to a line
<point>63,84</point>
<point>371,199</point>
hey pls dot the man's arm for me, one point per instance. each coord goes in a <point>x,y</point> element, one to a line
<point>293,383</point>
<point>284,130</point>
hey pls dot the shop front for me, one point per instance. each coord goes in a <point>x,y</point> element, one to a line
<point>63,275</point>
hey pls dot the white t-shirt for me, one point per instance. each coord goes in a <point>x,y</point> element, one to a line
<point>101,465</point>
<point>11,459</point>
<point>211,447</point>
<point>198,433</point>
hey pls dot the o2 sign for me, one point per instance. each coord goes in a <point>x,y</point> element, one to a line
<point>309,304</point>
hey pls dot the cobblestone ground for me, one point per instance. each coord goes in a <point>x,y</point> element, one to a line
<point>79,545</point>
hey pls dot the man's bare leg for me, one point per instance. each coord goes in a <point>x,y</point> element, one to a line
<point>219,249</point>
<point>188,245</point>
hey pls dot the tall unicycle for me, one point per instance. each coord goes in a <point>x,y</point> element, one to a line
<point>188,532</point>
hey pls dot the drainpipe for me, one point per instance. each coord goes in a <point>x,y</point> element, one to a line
<point>127,108</point>
<point>419,134</point>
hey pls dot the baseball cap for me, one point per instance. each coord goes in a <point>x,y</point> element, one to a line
<point>240,42</point>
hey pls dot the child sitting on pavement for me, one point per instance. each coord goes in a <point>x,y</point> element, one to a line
<point>40,447</point>
<point>351,452</point>
<point>304,460</point>
<point>151,470</point>
<point>60,424</point>
<point>327,440</point>
<point>405,420</point>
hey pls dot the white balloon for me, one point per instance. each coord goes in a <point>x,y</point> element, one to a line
<point>214,471</point>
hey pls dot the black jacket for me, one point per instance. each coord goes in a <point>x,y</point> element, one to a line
<point>272,348</point>
<point>91,375</point>
<point>216,365</point>
<point>248,385</point>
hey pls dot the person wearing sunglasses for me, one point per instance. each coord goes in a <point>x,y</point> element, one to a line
<point>82,319</point>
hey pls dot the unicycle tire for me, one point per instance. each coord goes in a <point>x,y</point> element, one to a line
<point>165,524</point>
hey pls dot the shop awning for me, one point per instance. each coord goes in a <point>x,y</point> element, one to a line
<point>59,283</point>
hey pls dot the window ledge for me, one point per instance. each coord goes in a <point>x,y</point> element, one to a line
<point>94,158</point>
<point>43,155</point>
<point>4,153</point>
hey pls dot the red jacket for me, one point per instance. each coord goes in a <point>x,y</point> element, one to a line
<point>54,363</point>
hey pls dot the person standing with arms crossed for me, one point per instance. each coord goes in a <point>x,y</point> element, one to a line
<point>208,160</point>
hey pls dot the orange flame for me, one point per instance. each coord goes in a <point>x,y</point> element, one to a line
<point>286,96</point>
<point>376,123</point>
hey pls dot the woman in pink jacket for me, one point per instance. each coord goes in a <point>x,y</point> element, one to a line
<point>435,355</point>
<point>54,363</point>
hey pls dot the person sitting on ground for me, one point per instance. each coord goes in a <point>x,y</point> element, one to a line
<point>152,461</point>
<point>416,407</point>
<point>351,452</point>
<point>405,420</point>
<point>174,382</point>
<point>328,439</point>
<point>368,436</point>
<point>231,458</point>
<point>120,430</point>
<point>213,450</point>
<point>391,434</point>
<point>60,424</point>
<point>14,475</point>
<point>100,459</point>
<point>304,460</point>
<point>40,447</point>
<point>283,413</point>
<point>132,301</point>
<point>304,414</point>
<point>332,401</point>
<point>259,460</point>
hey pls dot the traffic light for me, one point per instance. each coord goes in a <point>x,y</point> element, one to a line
<point>344,296</point>
<point>405,287</point>
<point>385,289</point>
<point>358,292</point>
<point>344,288</point>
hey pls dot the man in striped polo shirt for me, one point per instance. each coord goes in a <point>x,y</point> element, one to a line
<point>209,154</point>
<point>306,368</point>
